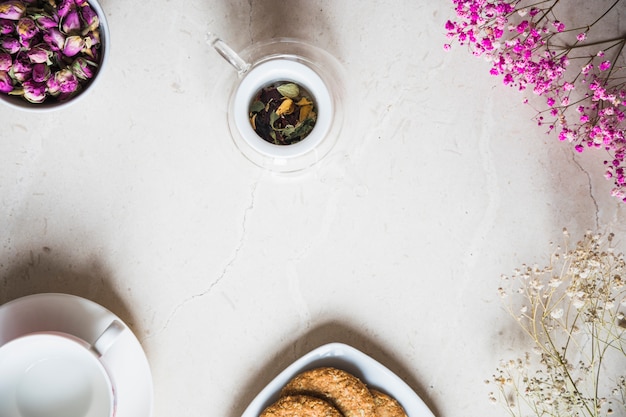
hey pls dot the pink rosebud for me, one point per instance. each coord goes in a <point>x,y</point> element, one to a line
<point>90,19</point>
<point>6,83</point>
<point>6,26</point>
<point>41,72</point>
<point>55,39</point>
<point>22,64</point>
<point>39,54</point>
<point>65,6</point>
<point>45,21</point>
<point>68,83</point>
<point>71,22</point>
<point>12,9</point>
<point>93,38</point>
<point>27,28</point>
<point>73,45</point>
<point>53,85</point>
<point>83,68</point>
<point>11,45</point>
<point>5,61</point>
<point>35,92</point>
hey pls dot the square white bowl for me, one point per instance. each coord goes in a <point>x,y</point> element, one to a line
<point>349,359</point>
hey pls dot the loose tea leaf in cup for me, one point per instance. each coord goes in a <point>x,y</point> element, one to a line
<point>283,113</point>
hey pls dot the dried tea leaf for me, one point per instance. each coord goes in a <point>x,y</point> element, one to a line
<point>257,106</point>
<point>273,118</point>
<point>280,119</point>
<point>289,90</point>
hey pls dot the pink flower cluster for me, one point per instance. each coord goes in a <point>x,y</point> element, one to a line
<point>528,49</point>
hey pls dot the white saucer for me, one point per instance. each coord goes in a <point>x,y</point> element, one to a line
<point>349,359</point>
<point>125,360</point>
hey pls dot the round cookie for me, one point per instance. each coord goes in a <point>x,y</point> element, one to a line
<point>342,389</point>
<point>300,406</point>
<point>387,406</point>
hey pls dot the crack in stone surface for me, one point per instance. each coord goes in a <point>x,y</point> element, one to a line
<point>590,189</point>
<point>222,274</point>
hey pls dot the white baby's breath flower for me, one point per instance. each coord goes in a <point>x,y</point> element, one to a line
<point>569,310</point>
<point>557,313</point>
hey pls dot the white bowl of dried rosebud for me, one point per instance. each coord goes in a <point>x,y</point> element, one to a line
<point>51,51</point>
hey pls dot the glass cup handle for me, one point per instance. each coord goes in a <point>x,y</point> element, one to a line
<point>108,337</point>
<point>228,53</point>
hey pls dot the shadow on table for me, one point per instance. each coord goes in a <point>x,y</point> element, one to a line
<point>47,270</point>
<point>260,21</point>
<point>329,332</point>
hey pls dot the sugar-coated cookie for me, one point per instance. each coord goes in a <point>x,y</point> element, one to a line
<point>300,406</point>
<point>387,406</point>
<point>342,389</point>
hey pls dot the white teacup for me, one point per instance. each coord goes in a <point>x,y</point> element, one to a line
<point>51,374</point>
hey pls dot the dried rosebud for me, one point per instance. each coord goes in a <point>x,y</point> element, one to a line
<point>83,68</point>
<point>94,38</point>
<point>6,62</point>
<point>45,21</point>
<point>35,92</point>
<point>26,28</point>
<point>41,72</point>
<point>70,23</point>
<point>64,7</point>
<point>53,86</point>
<point>22,64</point>
<point>90,19</point>
<point>6,83</point>
<point>39,54</point>
<point>68,83</point>
<point>54,39</point>
<point>6,26</point>
<point>73,45</point>
<point>12,9</point>
<point>11,45</point>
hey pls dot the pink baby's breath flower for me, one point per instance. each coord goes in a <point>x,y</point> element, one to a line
<point>523,41</point>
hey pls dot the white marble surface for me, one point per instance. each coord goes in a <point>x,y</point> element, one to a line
<point>394,244</point>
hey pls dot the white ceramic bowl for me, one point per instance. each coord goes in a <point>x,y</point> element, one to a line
<point>19,102</point>
<point>293,61</point>
<point>349,359</point>
<point>288,71</point>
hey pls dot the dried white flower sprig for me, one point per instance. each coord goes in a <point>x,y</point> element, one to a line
<point>573,312</point>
